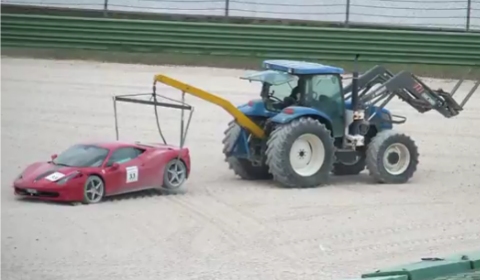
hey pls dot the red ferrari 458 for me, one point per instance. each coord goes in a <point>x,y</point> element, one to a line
<point>90,171</point>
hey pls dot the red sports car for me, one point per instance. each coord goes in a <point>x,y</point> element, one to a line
<point>90,171</point>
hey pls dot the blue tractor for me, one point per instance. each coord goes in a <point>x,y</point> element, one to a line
<point>315,126</point>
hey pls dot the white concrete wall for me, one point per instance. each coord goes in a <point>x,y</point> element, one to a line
<point>429,13</point>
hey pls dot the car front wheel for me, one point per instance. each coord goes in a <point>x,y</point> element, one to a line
<point>94,190</point>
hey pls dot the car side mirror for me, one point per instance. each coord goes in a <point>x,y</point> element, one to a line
<point>54,156</point>
<point>115,166</point>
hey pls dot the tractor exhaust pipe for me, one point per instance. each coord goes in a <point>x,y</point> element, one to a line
<point>355,105</point>
<point>355,126</point>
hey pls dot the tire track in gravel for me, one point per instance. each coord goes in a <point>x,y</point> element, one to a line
<point>341,209</point>
<point>215,215</point>
<point>185,233</point>
<point>401,245</point>
<point>147,230</point>
<point>352,235</point>
<point>196,213</point>
<point>242,229</point>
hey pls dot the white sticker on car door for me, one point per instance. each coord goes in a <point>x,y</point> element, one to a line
<point>55,176</point>
<point>132,174</point>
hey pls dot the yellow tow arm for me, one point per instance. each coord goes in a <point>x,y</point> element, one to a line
<point>239,117</point>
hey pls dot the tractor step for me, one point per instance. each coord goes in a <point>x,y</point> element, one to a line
<point>347,156</point>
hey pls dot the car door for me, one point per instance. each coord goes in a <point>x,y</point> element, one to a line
<point>130,174</point>
<point>114,177</point>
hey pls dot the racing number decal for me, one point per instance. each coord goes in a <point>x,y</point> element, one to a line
<point>55,176</point>
<point>132,174</point>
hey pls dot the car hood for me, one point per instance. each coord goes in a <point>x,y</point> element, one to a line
<point>46,171</point>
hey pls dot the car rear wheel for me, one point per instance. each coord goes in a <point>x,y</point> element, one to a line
<point>94,190</point>
<point>174,177</point>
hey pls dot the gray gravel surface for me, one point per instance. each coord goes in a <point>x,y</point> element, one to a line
<point>223,228</point>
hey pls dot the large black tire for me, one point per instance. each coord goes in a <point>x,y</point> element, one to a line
<point>241,167</point>
<point>341,169</point>
<point>381,157</point>
<point>280,143</point>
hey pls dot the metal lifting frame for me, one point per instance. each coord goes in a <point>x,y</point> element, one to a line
<point>410,89</point>
<point>153,100</point>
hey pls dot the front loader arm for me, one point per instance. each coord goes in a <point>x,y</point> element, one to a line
<point>240,117</point>
<point>376,75</point>
<point>408,88</point>
<point>412,90</point>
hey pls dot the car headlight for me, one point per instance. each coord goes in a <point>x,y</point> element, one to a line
<point>69,177</point>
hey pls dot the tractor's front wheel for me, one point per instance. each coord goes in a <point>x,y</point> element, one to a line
<point>301,154</point>
<point>392,157</point>
<point>240,166</point>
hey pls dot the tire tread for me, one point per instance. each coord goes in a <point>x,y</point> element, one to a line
<point>279,165</point>
<point>373,162</point>
<point>241,167</point>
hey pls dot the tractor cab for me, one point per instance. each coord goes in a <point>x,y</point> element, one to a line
<point>285,82</point>
<point>288,83</point>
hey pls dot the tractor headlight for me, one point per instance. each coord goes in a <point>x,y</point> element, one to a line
<point>386,116</point>
<point>69,177</point>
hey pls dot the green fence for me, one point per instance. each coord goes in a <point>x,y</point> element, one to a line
<point>266,41</point>
<point>457,267</point>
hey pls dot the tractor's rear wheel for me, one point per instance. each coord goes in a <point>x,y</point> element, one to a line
<point>240,166</point>
<point>301,153</point>
<point>392,157</point>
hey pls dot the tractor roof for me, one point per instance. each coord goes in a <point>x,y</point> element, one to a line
<point>301,67</point>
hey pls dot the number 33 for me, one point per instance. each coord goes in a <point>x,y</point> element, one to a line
<point>132,174</point>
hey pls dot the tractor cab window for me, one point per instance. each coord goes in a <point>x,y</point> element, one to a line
<point>123,155</point>
<point>279,91</point>
<point>274,84</point>
<point>324,92</point>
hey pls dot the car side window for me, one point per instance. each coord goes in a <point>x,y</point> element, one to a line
<point>123,155</point>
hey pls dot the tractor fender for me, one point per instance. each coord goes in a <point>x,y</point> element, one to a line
<point>381,120</point>
<point>294,112</point>
<point>255,108</point>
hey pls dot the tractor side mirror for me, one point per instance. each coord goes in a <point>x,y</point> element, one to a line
<point>54,156</point>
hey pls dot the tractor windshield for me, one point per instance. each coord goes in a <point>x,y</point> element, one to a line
<point>276,84</point>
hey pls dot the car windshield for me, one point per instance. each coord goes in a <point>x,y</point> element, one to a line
<point>279,84</point>
<point>82,156</point>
